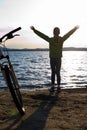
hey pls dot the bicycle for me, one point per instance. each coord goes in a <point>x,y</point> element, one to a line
<point>9,73</point>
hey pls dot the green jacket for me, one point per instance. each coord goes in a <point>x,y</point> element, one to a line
<point>55,46</point>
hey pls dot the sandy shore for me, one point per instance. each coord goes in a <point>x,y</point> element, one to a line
<point>68,112</point>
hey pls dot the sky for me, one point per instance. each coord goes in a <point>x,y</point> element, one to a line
<point>44,15</point>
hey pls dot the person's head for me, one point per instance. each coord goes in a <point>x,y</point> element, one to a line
<point>56,31</point>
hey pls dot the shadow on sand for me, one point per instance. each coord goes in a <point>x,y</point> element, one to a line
<point>37,120</point>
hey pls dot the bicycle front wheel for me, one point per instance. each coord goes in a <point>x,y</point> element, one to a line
<point>15,91</point>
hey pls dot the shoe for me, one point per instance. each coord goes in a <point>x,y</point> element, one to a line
<point>57,92</point>
<point>59,89</point>
<point>52,89</point>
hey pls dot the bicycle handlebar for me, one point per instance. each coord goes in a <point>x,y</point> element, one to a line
<point>9,35</point>
<point>15,30</point>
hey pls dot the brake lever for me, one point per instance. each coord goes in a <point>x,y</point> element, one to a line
<point>16,35</point>
<point>11,36</point>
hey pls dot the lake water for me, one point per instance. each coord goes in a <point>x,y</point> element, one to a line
<point>33,69</point>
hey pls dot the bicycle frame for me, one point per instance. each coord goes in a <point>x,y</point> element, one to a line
<point>8,63</point>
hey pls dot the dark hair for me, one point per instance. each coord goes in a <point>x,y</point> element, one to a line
<point>56,31</point>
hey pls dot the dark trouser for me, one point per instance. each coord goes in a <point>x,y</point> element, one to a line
<point>55,64</point>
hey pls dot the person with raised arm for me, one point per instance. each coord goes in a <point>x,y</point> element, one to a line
<point>55,52</point>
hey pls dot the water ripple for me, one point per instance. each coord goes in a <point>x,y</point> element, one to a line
<point>33,69</point>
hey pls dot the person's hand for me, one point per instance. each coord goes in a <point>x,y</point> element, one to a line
<point>32,28</point>
<point>77,27</point>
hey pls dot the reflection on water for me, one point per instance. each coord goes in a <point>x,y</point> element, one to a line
<point>74,68</point>
<point>33,68</point>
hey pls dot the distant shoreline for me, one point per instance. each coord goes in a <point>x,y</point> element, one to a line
<point>46,49</point>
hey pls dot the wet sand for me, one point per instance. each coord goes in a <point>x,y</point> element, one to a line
<point>67,112</point>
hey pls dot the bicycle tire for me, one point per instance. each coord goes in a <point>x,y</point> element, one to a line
<point>15,92</point>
